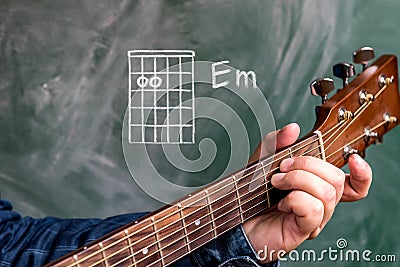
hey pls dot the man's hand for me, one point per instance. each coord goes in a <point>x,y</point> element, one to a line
<point>317,187</point>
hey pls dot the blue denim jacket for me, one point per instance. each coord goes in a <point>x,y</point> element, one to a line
<point>25,241</point>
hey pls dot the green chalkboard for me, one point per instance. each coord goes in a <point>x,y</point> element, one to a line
<point>64,92</point>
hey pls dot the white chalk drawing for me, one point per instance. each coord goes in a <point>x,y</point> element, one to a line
<point>159,111</point>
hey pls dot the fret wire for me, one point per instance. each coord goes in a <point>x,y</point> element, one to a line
<point>238,197</point>
<point>75,257</point>
<point>290,152</point>
<point>157,241</point>
<point>130,246</point>
<point>103,255</point>
<point>247,175</point>
<point>210,212</point>
<point>184,226</point>
<point>266,183</point>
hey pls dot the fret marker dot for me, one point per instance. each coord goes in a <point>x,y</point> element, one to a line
<point>197,222</point>
<point>145,251</point>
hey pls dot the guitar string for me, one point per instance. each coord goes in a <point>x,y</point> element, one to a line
<point>225,185</point>
<point>360,110</point>
<point>157,251</point>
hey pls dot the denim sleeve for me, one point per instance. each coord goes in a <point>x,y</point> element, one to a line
<point>25,241</point>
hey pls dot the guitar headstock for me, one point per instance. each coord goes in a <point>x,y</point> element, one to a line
<point>361,113</point>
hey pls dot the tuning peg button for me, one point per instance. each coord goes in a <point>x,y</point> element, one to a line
<point>343,71</point>
<point>348,151</point>
<point>363,55</point>
<point>368,134</point>
<point>322,87</point>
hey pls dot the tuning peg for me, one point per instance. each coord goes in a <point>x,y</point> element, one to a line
<point>363,56</point>
<point>348,151</point>
<point>343,71</point>
<point>322,87</point>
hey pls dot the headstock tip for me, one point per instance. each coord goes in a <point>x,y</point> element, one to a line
<point>363,56</point>
<point>344,71</point>
<point>322,87</point>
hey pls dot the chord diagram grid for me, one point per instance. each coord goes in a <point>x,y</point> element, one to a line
<point>161,96</point>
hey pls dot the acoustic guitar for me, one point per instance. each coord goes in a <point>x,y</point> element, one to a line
<point>355,117</point>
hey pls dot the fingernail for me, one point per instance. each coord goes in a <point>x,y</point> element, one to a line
<point>286,164</point>
<point>276,178</point>
<point>284,128</point>
<point>287,126</point>
<point>358,159</point>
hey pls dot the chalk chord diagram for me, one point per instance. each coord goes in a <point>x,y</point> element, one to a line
<point>161,96</point>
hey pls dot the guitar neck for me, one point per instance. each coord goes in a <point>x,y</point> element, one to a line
<point>175,230</point>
